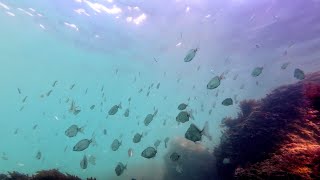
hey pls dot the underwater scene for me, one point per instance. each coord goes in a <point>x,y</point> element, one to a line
<point>160,89</point>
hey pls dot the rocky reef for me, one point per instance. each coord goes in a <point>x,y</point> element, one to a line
<point>52,174</point>
<point>276,137</point>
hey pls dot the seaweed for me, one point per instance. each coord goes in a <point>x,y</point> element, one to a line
<point>277,137</point>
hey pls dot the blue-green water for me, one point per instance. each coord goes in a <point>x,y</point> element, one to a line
<point>110,48</point>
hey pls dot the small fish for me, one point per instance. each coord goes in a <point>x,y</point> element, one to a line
<point>38,155</point>
<point>166,140</point>
<point>24,99</point>
<point>35,126</point>
<point>92,160</point>
<point>86,91</point>
<point>183,117</point>
<point>182,106</point>
<point>299,74</point>
<point>157,143</point>
<point>257,46</point>
<point>148,93</point>
<point>130,152</point>
<point>190,55</point>
<point>195,134</point>
<point>198,68</point>
<point>137,138</point>
<point>256,71</point>
<point>120,168</point>
<point>158,86</point>
<point>227,102</point>
<point>155,59</point>
<point>22,107</point>
<point>215,82</point>
<point>19,91</point>
<point>149,118</point>
<point>114,109</point>
<point>72,86</point>
<point>126,113</point>
<point>84,162</point>
<point>73,130</point>
<point>49,92</point>
<point>92,107</point>
<point>54,83</point>
<point>115,145</point>
<point>105,132</point>
<point>16,131</point>
<point>174,156</point>
<point>149,152</point>
<point>102,88</point>
<point>83,144</point>
<point>285,65</point>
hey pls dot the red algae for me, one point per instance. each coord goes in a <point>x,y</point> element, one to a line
<point>277,137</point>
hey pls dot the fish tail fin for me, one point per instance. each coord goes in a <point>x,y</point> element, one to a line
<point>205,131</point>
<point>81,129</point>
<point>93,139</point>
<point>155,112</point>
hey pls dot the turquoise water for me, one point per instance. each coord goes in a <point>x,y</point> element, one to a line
<point>115,49</point>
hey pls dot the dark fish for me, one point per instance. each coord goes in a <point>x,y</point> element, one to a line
<point>299,74</point>
<point>227,102</point>
<point>102,88</point>
<point>84,162</point>
<point>38,155</point>
<point>126,113</point>
<point>137,138</point>
<point>49,92</point>
<point>105,132</point>
<point>114,109</point>
<point>72,86</point>
<point>174,156</point>
<point>35,126</point>
<point>148,93</point>
<point>285,65</point>
<point>24,99</point>
<point>149,152</point>
<point>92,107</point>
<point>120,168</point>
<point>182,106</point>
<point>214,82</point>
<point>183,117</point>
<point>86,91</point>
<point>166,140</point>
<point>19,91</point>
<point>149,118</point>
<point>73,130</point>
<point>198,68</point>
<point>54,83</point>
<point>190,55</point>
<point>210,111</point>
<point>83,144</point>
<point>195,134</point>
<point>157,143</point>
<point>16,131</point>
<point>158,85</point>
<point>115,145</point>
<point>256,71</point>
<point>140,90</point>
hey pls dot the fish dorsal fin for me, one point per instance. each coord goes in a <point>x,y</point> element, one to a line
<point>205,131</point>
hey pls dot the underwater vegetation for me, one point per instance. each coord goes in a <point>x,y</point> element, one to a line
<point>277,137</point>
<point>52,174</point>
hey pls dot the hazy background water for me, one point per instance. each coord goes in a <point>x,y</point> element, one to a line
<point>53,40</point>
